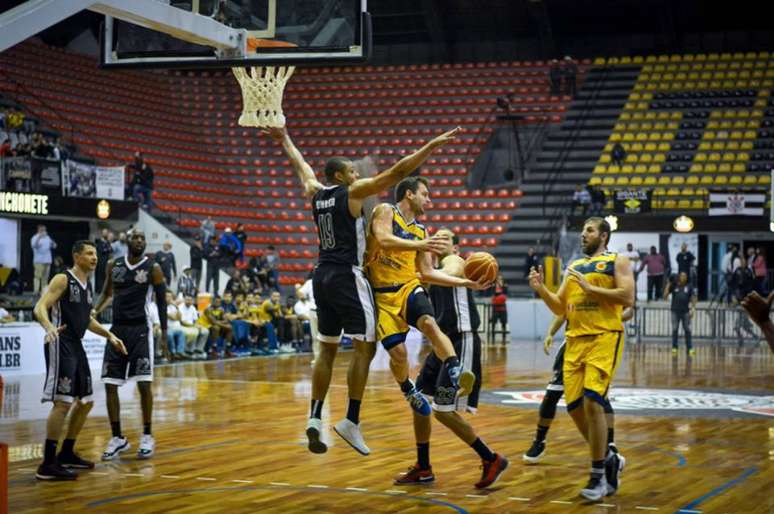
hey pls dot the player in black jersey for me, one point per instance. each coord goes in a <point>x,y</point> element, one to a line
<point>457,316</point>
<point>130,282</point>
<point>68,298</point>
<point>342,293</point>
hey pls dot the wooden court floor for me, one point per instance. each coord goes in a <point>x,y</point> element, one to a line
<point>698,435</point>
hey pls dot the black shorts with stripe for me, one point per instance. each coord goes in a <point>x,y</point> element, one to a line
<point>434,381</point>
<point>137,364</point>
<point>67,371</point>
<point>345,303</point>
<point>557,381</point>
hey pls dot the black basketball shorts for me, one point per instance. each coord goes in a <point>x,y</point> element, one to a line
<point>67,371</point>
<point>137,364</point>
<point>345,303</point>
<point>433,379</point>
<point>557,381</point>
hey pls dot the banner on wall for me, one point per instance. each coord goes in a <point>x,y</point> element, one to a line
<point>89,181</point>
<point>735,203</point>
<point>632,201</point>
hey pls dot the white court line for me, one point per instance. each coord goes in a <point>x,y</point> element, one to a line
<point>316,486</point>
<point>561,502</point>
<point>475,496</point>
<point>243,481</point>
<point>437,494</point>
<point>98,473</point>
<point>359,489</point>
<point>208,479</point>
<point>258,382</point>
<point>395,491</point>
<point>689,511</point>
<point>278,483</point>
<point>519,499</point>
<point>606,505</point>
<point>169,476</point>
<point>25,470</point>
<point>133,475</point>
<point>645,508</point>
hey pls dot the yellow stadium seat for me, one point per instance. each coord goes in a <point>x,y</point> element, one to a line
<point>625,116</point>
<point>622,181</point>
<point>614,168</point>
<point>659,191</point>
<point>608,181</point>
<point>627,136</point>
<point>650,180</point>
<point>706,180</point>
<point>637,181</point>
<point>738,168</point>
<point>684,204</point>
<point>724,168</point>
<point>595,181</point>
<point>646,158</point>
<point>678,180</point>
<point>709,134</point>
<point>692,180</point>
<point>599,169</point>
<point>640,168</point>
<point>700,157</point>
<point>669,204</point>
<point>750,180</point>
<point>604,158</point>
<point>720,180</point>
<point>599,61</point>
<point>659,158</point>
<point>673,191</point>
<point>705,146</point>
<point>751,135</point>
<point>718,145</point>
<point>735,180</point>
<point>636,147</point>
<point>654,168</point>
<point>764,179</point>
<point>711,168</point>
<point>614,137</point>
<point>713,157</point>
<point>742,157</point>
<point>728,157</point>
<point>732,145</point>
<point>664,180</point>
<point>702,191</point>
<point>687,191</point>
<point>697,204</point>
<point>627,168</point>
<point>696,168</point>
<point>650,147</point>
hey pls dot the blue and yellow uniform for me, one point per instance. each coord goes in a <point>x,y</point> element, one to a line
<point>594,332</point>
<point>400,298</point>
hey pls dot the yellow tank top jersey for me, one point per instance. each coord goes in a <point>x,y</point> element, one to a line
<point>393,268</point>
<point>587,315</point>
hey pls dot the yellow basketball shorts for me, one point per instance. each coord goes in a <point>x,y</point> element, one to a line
<point>589,366</point>
<point>397,308</point>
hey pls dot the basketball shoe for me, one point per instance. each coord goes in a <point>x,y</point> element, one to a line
<point>313,433</point>
<point>535,452</point>
<point>595,489</point>
<point>491,471</point>
<point>147,447</point>
<point>115,446</point>
<point>350,432</point>
<point>415,476</point>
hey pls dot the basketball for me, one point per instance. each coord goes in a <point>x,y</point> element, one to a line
<point>481,266</point>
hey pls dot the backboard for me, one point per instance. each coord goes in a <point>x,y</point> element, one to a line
<point>275,32</point>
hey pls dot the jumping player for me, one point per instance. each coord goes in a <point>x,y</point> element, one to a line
<point>68,298</point>
<point>130,282</point>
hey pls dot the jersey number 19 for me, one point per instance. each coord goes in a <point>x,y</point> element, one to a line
<point>325,227</point>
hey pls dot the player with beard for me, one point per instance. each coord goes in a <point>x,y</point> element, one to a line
<point>131,281</point>
<point>592,296</point>
<point>457,316</point>
<point>68,299</point>
<point>343,296</point>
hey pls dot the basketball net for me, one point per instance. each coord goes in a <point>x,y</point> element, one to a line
<point>262,89</point>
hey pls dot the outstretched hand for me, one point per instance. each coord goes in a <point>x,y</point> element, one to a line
<point>434,245</point>
<point>758,307</point>
<point>276,133</point>
<point>580,279</point>
<point>547,342</point>
<point>446,137</point>
<point>53,333</point>
<point>117,344</point>
<point>536,277</point>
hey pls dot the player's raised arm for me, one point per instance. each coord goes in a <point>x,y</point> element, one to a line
<point>381,228</point>
<point>364,187</point>
<point>304,172</point>
<point>54,291</point>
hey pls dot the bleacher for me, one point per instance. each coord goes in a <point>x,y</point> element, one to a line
<point>692,123</point>
<point>205,164</point>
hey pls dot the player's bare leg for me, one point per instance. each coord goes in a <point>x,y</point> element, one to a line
<point>50,469</point>
<point>400,370</point>
<point>147,443</point>
<point>443,348</point>
<point>321,381</point>
<point>67,456</point>
<point>357,376</point>
<point>118,443</point>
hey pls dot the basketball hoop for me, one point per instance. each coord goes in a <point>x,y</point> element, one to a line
<point>262,88</point>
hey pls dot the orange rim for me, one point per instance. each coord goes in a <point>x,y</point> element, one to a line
<point>253,43</point>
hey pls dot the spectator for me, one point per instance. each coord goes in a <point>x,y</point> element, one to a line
<point>759,309</point>
<point>238,284</point>
<point>241,235</point>
<point>230,247</point>
<point>555,77</point>
<point>499,307</point>
<point>306,311</point>
<point>240,329</point>
<point>142,181</point>
<point>166,260</point>
<point>5,148</point>
<point>750,256</point>
<point>215,320</point>
<point>683,310</point>
<point>207,229</point>
<point>580,198</point>
<point>195,257</point>
<point>160,348</point>
<point>42,246</point>
<point>292,327</point>
<point>271,267</point>
<point>14,119</point>
<point>685,260</point>
<point>570,74</point>
<point>5,316</point>
<point>760,270</point>
<point>104,252</point>
<point>598,200</point>
<point>186,285</point>
<point>58,266</point>
<point>618,154</point>
<point>633,255</point>
<point>257,326</point>
<point>214,259</point>
<point>743,280</point>
<point>728,265</point>
<point>272,313</point>
<point>531,261</point>
<point>655,264</point>
<point>119,246</point>
<point>175,335</point>
<point>196,335</point>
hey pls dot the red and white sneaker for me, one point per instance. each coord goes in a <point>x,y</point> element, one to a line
<point>491,471</point>
<point>415,476</point>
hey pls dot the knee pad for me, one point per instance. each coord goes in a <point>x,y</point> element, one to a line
<point>548,405</point>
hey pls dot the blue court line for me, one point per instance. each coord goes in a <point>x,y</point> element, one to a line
<point>441,503</point>
<point>681,460</point>
<point>720,489</point>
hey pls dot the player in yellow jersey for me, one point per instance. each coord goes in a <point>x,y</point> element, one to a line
<point>397,262</point>
<point>592,296</point>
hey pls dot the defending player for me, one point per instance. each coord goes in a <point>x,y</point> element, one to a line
<point>457,316</point>
<point>131,282</point>
<point>68,378</point>
<point>592,295</point>
<point>397,266</point>
<point>342,293</point>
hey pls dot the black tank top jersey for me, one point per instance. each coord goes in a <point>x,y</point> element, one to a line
<point>132,289</point>
<point>455,309</point>
<point>73,308</point>
<point>342,237</point>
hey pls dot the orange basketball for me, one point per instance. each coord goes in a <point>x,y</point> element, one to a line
<point>481,266</point>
